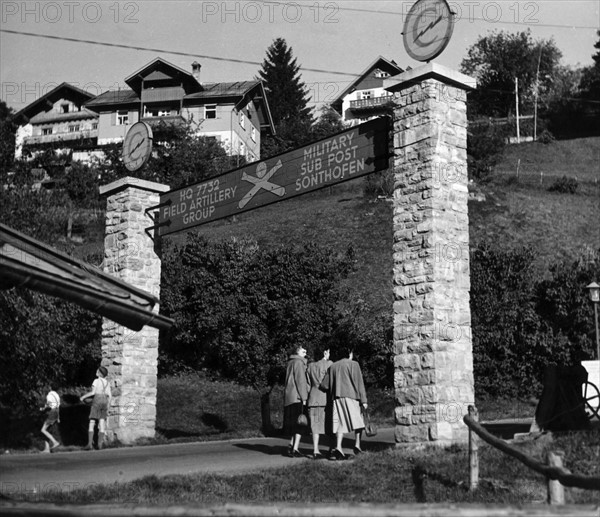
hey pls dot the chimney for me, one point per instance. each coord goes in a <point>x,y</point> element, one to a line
<point>196,70</point>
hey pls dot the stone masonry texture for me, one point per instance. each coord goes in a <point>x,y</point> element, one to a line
<point>433,360</point>
<point>131,356</point>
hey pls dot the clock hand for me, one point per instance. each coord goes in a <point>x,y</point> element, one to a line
<point>137,146</point>
<point>430,26</point>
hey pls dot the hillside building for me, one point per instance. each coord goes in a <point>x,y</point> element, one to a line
<point>234,113</point>
<point>72,120</point>
<point>57,120</point>
<point>365,98</point>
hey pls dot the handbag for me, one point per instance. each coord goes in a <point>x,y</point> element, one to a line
<point>370,427</point>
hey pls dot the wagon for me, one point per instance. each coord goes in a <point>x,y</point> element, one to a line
<point>590,389</point>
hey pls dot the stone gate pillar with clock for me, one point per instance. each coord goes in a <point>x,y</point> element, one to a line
<point>130,254</point>
<point>433,361</point>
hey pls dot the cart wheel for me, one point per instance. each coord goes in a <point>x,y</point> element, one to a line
<point>591,398</point>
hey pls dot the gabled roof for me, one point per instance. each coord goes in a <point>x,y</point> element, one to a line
<point>117,97</point>
<point>44,118</point>
<point>29,263</point>
<point>239,93</point>
<point>380,63</point>
<point>45,102</point>
<point>158,70</point>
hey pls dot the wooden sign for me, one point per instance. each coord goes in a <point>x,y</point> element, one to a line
<point>349,154</point>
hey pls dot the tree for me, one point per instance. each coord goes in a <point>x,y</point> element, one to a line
<point>498,59</point>
<point>7,140</point>
<point>288,99</point>
<point>329,123</point>
<point>239,308</point>
<point>590,80</point>
<point>180,156</point>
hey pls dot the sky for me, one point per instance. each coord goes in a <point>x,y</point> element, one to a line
<point>95,45</point>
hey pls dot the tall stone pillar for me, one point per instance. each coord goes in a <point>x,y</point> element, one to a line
<point>432,323</point>
<point>130,356</point>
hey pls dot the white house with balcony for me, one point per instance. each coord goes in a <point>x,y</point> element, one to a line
<point>57,120</point>
<point>365,97</point>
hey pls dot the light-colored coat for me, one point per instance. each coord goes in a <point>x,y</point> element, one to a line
<point>344,379</point>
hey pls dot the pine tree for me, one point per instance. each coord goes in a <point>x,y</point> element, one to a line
<point>288,99</point>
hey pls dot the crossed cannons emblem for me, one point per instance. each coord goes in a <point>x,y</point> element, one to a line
<point>261,181</point>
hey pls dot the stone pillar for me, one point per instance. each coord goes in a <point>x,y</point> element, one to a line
<point>131,356</point>
<point>433,360</point>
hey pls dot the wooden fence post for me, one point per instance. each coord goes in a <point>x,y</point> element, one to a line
<point>473,451</point>
<point>556,492</point>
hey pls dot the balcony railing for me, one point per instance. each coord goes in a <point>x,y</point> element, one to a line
<point>167,119</point>
<point>61,137</point>
<point>373,103</point>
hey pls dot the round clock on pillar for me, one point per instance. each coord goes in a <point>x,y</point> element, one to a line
<point>427,29</point>
<point>137,146</point>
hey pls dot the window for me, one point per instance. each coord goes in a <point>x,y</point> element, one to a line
<point>210,111</point>
<point>122,118</point>
<point>242,119</point>
<point>74,128</point>
<point>46,131</point>
<point>65,108</point>
<point>253,133</point>
<point>366,94</point>
<point>95,125</point>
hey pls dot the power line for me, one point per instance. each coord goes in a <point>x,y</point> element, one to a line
<point>334,7</point>
<point>164,51</point>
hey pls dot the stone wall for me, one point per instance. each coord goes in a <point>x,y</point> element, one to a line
<point>432,325</point>
<point>130,356</point>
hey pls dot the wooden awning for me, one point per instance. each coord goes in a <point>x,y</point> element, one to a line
<point>26,262</point>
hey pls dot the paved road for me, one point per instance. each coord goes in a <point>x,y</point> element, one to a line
<point>68,470</point>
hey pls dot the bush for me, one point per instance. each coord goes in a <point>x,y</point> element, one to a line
<point>564,185</point>
<point>523,323</point>
<point>546,137</point>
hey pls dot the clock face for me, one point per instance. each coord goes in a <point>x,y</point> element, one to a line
<point>427,29</point>
<point>137,146</point>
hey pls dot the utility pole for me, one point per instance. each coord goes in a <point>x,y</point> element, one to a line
<point>536,93</point>
<point>517,108</point>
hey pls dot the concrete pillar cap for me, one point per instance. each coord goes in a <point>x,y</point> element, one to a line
<point>429,71</point>
<point>129,181</point>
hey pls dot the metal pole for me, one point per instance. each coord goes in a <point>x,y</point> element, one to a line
<point>597,338</point>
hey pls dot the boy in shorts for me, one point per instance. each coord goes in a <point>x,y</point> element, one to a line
<point>99,411</point>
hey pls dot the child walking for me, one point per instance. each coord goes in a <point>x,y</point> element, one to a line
<point>53,417</point>
<point>99,411</point>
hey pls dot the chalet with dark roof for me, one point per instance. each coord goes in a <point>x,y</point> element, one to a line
<point>365,98</point>
<point>234,113</point>
<point>57,120</point>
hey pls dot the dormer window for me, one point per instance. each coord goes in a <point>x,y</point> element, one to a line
<point>381,74</point>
